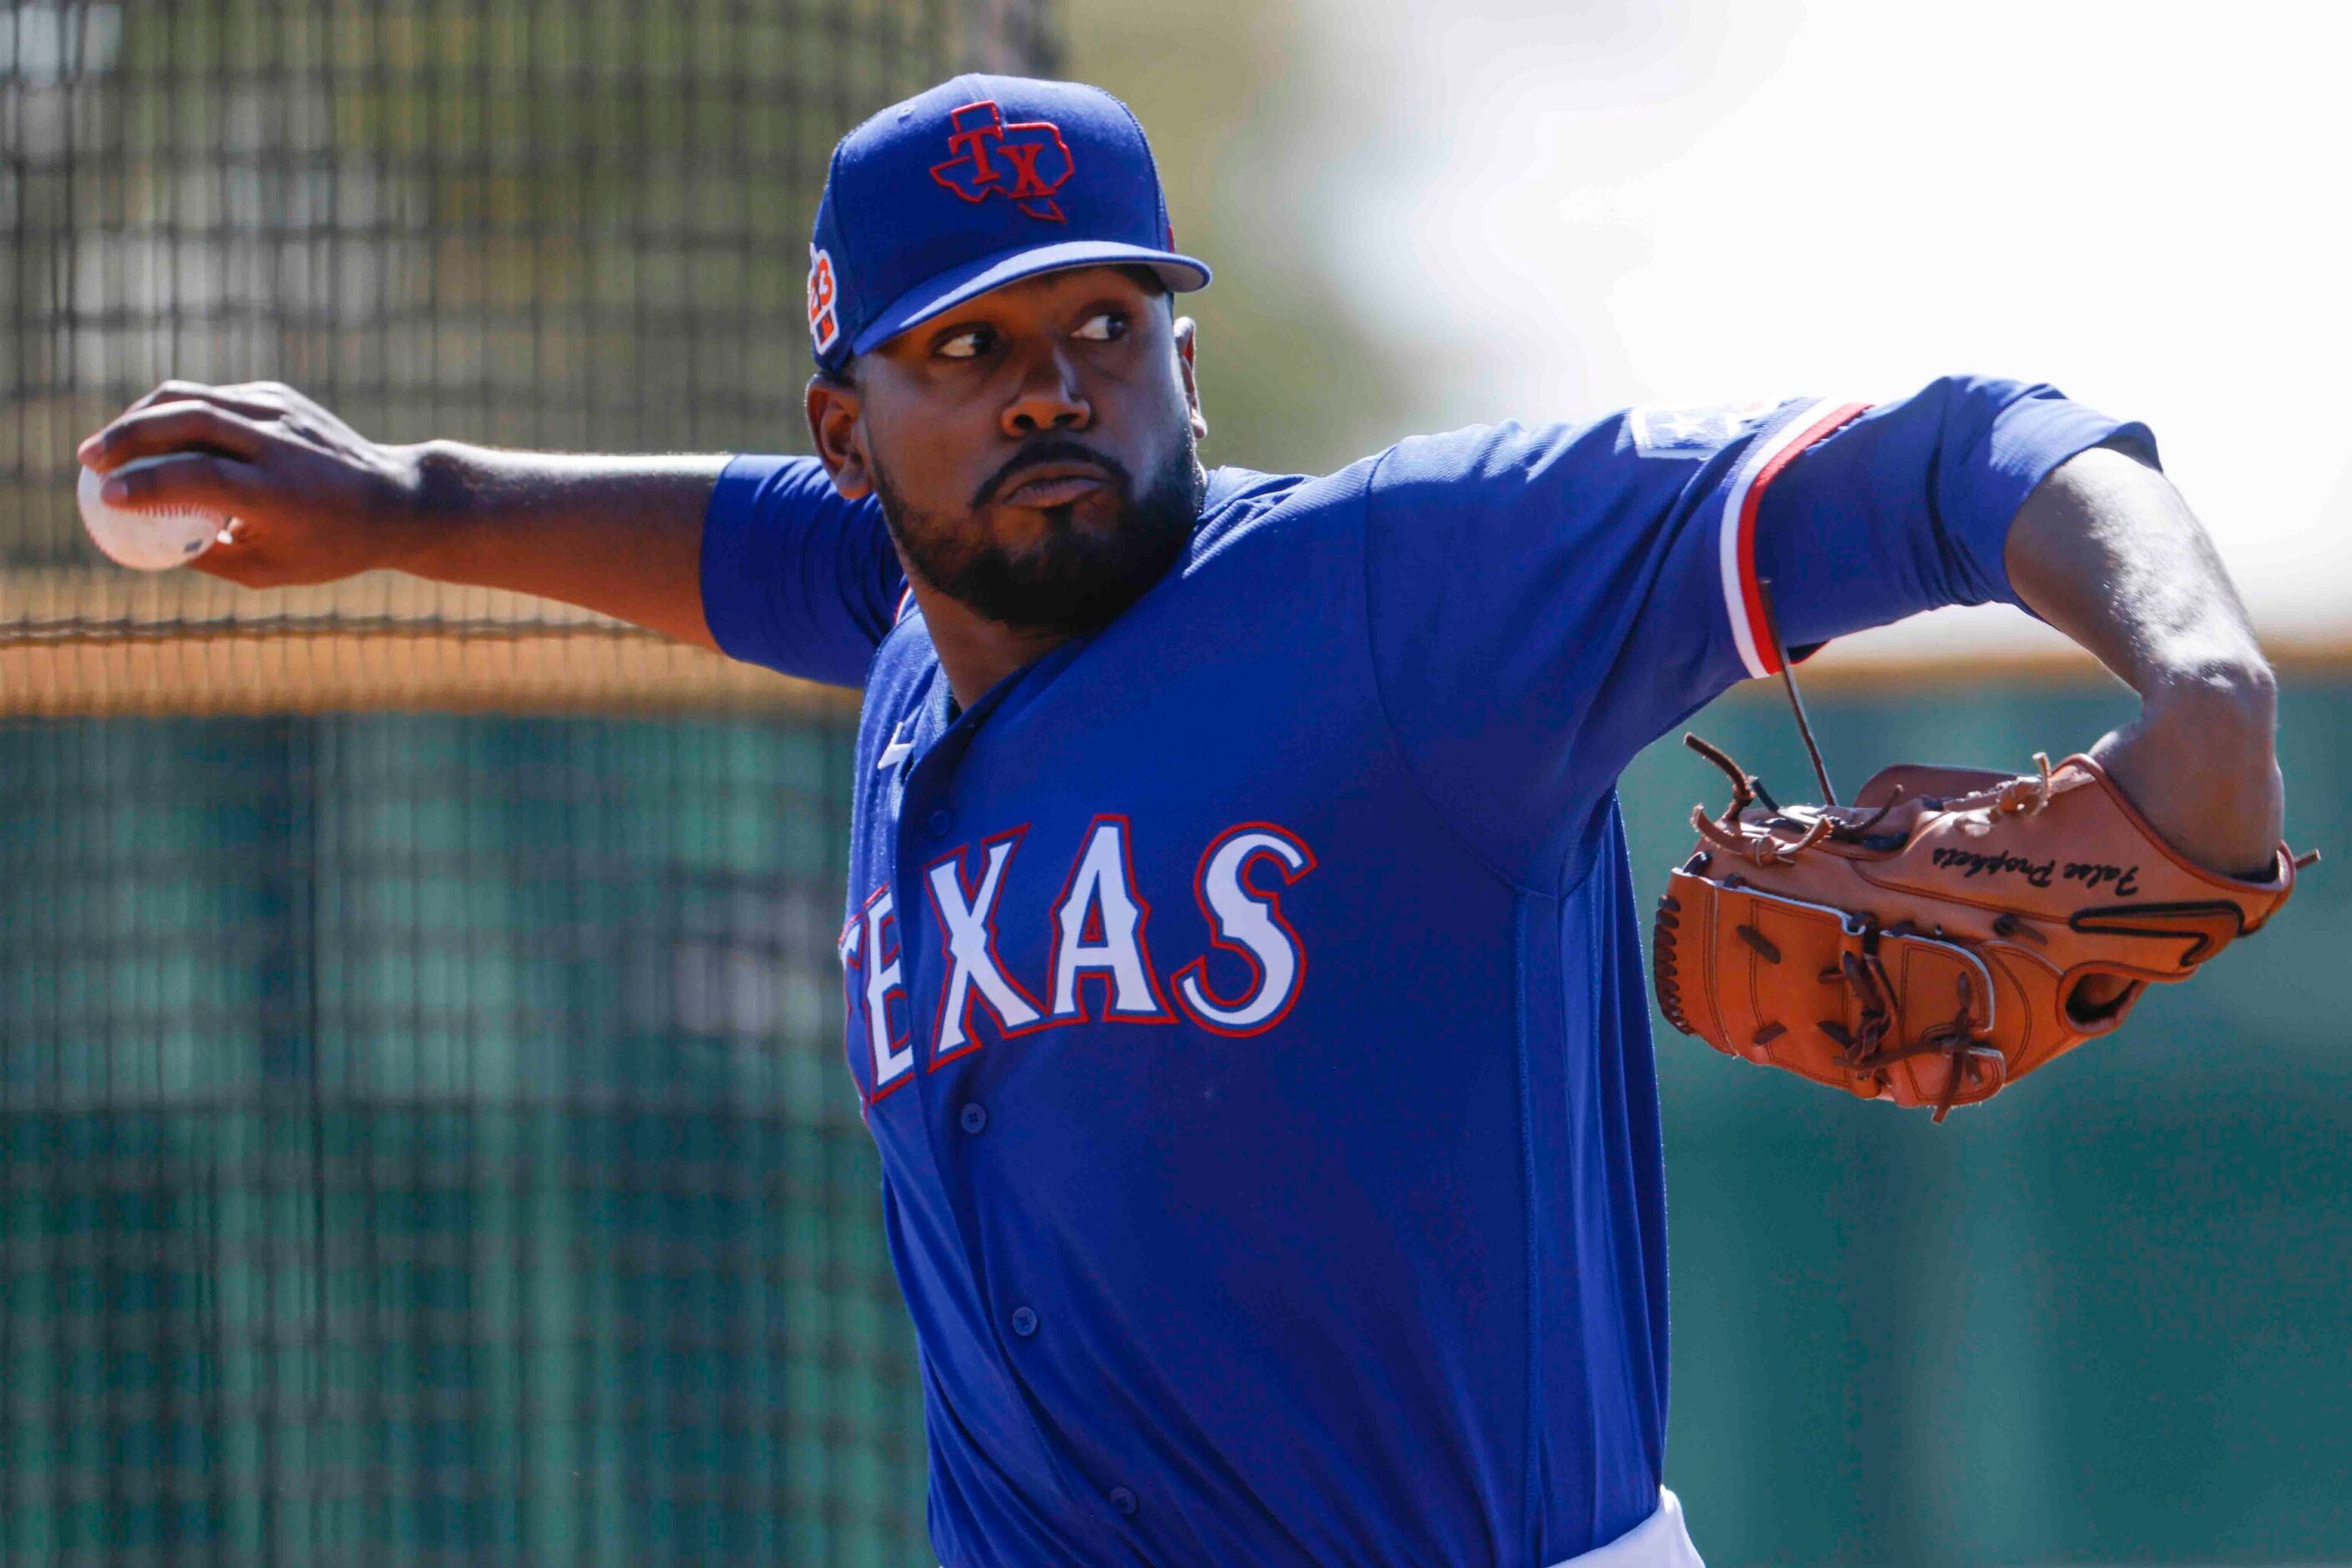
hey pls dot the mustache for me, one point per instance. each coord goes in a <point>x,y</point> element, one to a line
<point>1051,447</point>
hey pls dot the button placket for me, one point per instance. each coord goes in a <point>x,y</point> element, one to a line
<point>919,805</point>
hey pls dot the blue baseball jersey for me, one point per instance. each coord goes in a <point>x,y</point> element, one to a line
<point>1248,999</point>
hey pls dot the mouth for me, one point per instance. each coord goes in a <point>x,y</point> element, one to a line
<point>1054,484</point>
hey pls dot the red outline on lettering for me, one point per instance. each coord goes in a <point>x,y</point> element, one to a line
<point>1198,967</point>
<point>1751,598</point>
<point>1142,939</point>
<point>866,1035</point>
<point>853,959</point>
<point>1029,191</point>
<point>972,1041</point>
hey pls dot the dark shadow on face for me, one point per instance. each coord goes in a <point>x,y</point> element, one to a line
<point>1073,576</point>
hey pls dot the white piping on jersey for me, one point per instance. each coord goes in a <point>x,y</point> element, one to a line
<point>895,748</point>
<point>1808,426</point>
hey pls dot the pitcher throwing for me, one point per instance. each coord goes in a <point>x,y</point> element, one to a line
<point>1244,983</point>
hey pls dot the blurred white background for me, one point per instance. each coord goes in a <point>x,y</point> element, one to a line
<point>1553,210</point>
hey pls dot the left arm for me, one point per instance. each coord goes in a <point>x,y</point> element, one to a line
<point>2106,550</point>
<point>1543,604</point>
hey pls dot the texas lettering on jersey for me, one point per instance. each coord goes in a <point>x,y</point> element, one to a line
<point>1100,966</point>
<point>1142,1262</point>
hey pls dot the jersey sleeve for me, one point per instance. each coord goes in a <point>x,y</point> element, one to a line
<point>796,576</point>
<point>1544,602</point>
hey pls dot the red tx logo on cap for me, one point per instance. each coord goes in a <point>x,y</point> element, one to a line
<point>1028,161</point>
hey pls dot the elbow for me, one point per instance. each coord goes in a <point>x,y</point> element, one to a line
<point>2227,669</point>
<point>2224,697</point>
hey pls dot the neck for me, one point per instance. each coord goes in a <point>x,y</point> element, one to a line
<point>976,653</point>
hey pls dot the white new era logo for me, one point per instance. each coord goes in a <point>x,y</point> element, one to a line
<point>896,750</point>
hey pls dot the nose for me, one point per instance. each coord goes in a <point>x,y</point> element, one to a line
<point>1049,399</point>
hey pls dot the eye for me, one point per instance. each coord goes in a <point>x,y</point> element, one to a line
<point>1105,326</point>
<point>970,343</point>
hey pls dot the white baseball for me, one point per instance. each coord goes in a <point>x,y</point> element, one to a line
<point>145,541</point>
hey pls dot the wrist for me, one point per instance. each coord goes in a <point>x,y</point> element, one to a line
<point>436,498</point>
<point>2202,764</point>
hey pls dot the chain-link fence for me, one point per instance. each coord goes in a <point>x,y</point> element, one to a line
<point>420,1128</point>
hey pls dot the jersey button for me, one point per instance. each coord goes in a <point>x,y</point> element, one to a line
<point>940,822</point>
<point>1024,1322</point>
<point>1123,1499</point>
<point>972,1117</point>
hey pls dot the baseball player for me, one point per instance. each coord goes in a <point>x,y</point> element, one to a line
<point>1242,979</point>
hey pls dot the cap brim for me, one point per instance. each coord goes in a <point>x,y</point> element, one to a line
<point>938,295</point>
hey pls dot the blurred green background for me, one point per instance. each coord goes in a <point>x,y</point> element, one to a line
<point>2100,1319</point>
<point>428,1135</point>
<point>422,1133</point>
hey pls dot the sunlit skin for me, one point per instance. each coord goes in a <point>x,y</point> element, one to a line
<point>1092,352</point>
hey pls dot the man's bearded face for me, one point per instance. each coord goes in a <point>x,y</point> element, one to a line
<point>1082,564</point>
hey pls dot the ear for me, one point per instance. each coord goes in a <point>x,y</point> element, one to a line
<point>1187,329</point>
<point>839,436</point>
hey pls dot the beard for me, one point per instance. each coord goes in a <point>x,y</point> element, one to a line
<point>1074,577</point>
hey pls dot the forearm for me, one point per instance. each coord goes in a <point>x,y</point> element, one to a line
<point>314,501</point>
<point>620,535</point>
<point>2107,552</point>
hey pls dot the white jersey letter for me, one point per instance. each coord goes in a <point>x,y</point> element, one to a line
<point>1249,924</point>
<point>971,949</point>
<point>1098,931</point>
<point>893,1054</point>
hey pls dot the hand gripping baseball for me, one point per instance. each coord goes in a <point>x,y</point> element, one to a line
<point>314,501</point>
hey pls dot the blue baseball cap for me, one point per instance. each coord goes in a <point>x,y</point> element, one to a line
<point>976,183</point>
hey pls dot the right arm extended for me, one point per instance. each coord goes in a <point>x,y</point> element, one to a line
<point>316,502</point>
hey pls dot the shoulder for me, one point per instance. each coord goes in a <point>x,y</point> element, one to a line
<point>1246,513</point>
<point>1244,507</point>
<point>796,486</point>
<point>1240,501</point>
<point>1481,463</point>
<point>1483,469</point>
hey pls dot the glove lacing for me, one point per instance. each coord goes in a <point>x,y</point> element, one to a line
<point>1762,849</point>
<point>1964,1054</point>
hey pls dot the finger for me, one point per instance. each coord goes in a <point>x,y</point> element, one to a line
<point>249,398</point>
<point>174,428</point>
<point>258,398</point>
<point>237,560</point>
<point>270,394</point>
<point>197,481</point>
